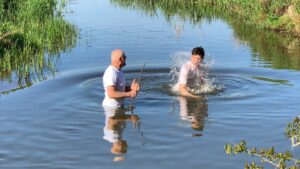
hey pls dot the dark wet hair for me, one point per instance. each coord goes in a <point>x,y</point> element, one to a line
<point>198,51</point>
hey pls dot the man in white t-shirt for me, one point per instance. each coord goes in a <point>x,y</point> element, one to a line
<point>114,82</point>
<point>191,73</point>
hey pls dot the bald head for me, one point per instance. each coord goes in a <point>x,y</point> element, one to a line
<point>118,58</point>
<point>119,147</point>
<point>116,54</point>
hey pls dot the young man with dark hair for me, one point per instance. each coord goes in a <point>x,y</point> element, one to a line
<point>190,73</point>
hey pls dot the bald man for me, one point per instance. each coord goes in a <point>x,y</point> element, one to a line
<point>114,82</point>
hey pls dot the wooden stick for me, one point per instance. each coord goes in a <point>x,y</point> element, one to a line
<point>139,79</point>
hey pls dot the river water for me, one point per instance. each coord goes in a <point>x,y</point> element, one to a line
<point>60,123</point>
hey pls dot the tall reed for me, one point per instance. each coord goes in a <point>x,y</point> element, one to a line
<point>32,33</point>
<point>278,15</point>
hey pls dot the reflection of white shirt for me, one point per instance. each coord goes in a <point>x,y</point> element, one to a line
<point>112,135</point>
<point>113,77</point>
<point>184,111</point>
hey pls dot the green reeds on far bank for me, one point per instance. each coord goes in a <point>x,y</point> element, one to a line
<point>277,15</point>
<point>32,34</point>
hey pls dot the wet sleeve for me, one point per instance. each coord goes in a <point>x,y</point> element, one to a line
<point>110,78</point>
<point>183,76</point>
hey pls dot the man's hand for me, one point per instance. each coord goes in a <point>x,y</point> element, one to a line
<point>135,86</point>
<point>185,92</point>
<point>196,97</point>
<point>134,118</point>
<point>131,93</point>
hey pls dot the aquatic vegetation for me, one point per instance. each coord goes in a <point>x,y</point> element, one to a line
<point>32,36</point>
<point>279,160</point>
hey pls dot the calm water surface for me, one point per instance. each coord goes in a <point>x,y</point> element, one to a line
<point>59,123</point>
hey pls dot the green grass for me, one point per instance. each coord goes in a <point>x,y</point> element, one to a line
<point>267,14</point>
<point>32,34</point>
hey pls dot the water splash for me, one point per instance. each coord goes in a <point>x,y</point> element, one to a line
<point>211,86</point>
<point>177,60</point>
<point>205,83</point>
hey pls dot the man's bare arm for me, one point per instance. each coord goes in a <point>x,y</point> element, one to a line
<point>184,92</point>
<point>114,94</point>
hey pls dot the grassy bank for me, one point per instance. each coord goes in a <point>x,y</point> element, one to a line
<point>32,34</point>
<point>277,15</point>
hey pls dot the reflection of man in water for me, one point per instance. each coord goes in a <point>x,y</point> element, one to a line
<point>193,111</point>
<point>113,103</point>
<point>114,81</point>
<point>115,123</point>
<point>191,73</point>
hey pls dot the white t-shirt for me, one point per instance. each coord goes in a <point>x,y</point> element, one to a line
<point>113,77</point>
<point>189,75</point>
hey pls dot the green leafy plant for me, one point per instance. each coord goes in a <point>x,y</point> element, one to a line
<point>268,14</point>
<point>293,132</point>
<point>33,33</point>
<point>281,160</point>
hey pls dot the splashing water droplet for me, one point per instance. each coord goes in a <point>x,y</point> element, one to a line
<point>204,84</point>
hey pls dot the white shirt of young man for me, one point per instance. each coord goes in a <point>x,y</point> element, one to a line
<point>189,73</point>
<point>113,77</point>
